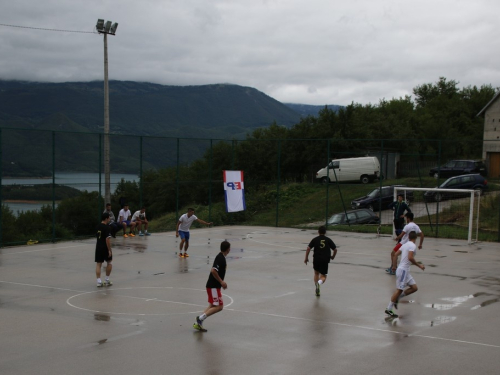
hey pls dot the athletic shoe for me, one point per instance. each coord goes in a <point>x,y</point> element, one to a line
<point>108,283</point>
<point>199,321</point>
<point>131,234</point>
<point>100,285</point>
<point>392,273</point>
<point>391,313</point>
<point>125,235</point>
<point>199,328</point>
<point>317,290</point>
<point>147,234</point>
<point>388,270</point>
<point>180,254</point>
<point>186,255</point>
<point>141,234</point>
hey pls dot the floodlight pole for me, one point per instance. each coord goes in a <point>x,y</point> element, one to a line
<point>106,28</point>
<point>107,179</point>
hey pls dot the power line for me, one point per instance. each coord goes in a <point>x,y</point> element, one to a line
<point>40,28</point>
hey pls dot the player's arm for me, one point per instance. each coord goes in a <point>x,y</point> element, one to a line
<point>177,229</point>
<point>394,256</point>
<point>203,222</point>
<point>308,250</point>
<point>108,243</point>
<point>411,258</point>
<point>215,274</point>
<point>400,236</point>
<point>421,234</point>
<point>334,254</point>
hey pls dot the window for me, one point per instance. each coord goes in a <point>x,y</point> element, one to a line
<point>351,217</point>
<point>363,215</point>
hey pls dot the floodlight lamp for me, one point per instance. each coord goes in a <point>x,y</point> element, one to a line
<point>100,25</point>
<point>113,28</point>
<point>107,26</point>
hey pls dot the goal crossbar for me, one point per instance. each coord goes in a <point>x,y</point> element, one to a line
<point>470,192</point>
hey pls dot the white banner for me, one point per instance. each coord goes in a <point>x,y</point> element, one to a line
<point>234,191</point>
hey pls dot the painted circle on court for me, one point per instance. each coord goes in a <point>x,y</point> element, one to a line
<point>144,301</point>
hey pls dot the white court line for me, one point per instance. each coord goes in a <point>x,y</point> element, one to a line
<point>46,249</point>
<point>365,328</point>
<point>253,312</point>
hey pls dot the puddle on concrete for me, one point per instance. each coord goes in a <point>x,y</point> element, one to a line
<point>102,317</point>
<point>485,303</point>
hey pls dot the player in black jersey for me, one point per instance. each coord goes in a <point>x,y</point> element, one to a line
<point>214,284</point>
<point>322,247</point>
<point>103,250</point>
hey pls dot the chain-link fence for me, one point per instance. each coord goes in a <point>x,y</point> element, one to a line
<point>53,181</point>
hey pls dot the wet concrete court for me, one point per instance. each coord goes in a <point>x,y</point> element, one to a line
<point>54,320</point>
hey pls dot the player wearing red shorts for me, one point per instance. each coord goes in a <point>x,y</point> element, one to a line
<point>403,238</point>
<point>214,284</point>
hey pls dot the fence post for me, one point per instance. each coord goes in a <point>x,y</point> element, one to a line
<point>278,183</point>
<point>437,203</point>
<point>53,186</point>
<point>1,188</point>
<point>327,179</point>
<point>210,182</point>
<point>381,172</point>
<point>177,184</point>
<point>140,172</point>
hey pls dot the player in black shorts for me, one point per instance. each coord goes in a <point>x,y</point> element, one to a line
<point>322,247</point>
<point>214,284</point>
<point>103,250</point>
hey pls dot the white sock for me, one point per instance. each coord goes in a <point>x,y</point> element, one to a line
<point>390,306</point>
<point>320,282</point>
<point>107,278</point>
<point>203,317</point>
<point>99,281</point>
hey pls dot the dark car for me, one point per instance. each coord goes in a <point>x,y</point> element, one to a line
<point>372,199</point>
<point>468,181</point>
<point>458,168</point>
<point>362,216</point>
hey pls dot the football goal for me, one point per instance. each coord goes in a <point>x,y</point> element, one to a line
<point>444,213</point>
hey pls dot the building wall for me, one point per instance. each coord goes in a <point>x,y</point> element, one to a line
<point>492,128</point>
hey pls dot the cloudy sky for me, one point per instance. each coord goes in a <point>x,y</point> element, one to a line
<point>311,52</point>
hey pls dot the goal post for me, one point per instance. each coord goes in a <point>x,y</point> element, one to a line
<point>444,213</point>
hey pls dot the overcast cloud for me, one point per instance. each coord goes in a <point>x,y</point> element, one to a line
<point>311,52</point>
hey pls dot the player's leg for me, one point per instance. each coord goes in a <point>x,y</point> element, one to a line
<point>109,268</point>
<point>186,244</point>
<point>138,225</point>
<point>124,225</point>
<point>132,229</point>
<point>98,266</point>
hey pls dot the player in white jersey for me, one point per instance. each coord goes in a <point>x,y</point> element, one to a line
<point>403,276</point>
<point>403,238</point>
<point>182,230</point>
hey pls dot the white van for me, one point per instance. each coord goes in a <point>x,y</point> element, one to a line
<point>365,169</point>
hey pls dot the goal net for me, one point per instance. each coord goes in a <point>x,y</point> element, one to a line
<point>444,213</point>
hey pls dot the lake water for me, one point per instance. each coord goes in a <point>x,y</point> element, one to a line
<point>80,181</point>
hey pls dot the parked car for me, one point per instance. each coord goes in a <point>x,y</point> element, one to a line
<point>364,169</point>
<point>372,199</point>
<point>468,181</point>
<point>458,168</point>
<point>362,216</point>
